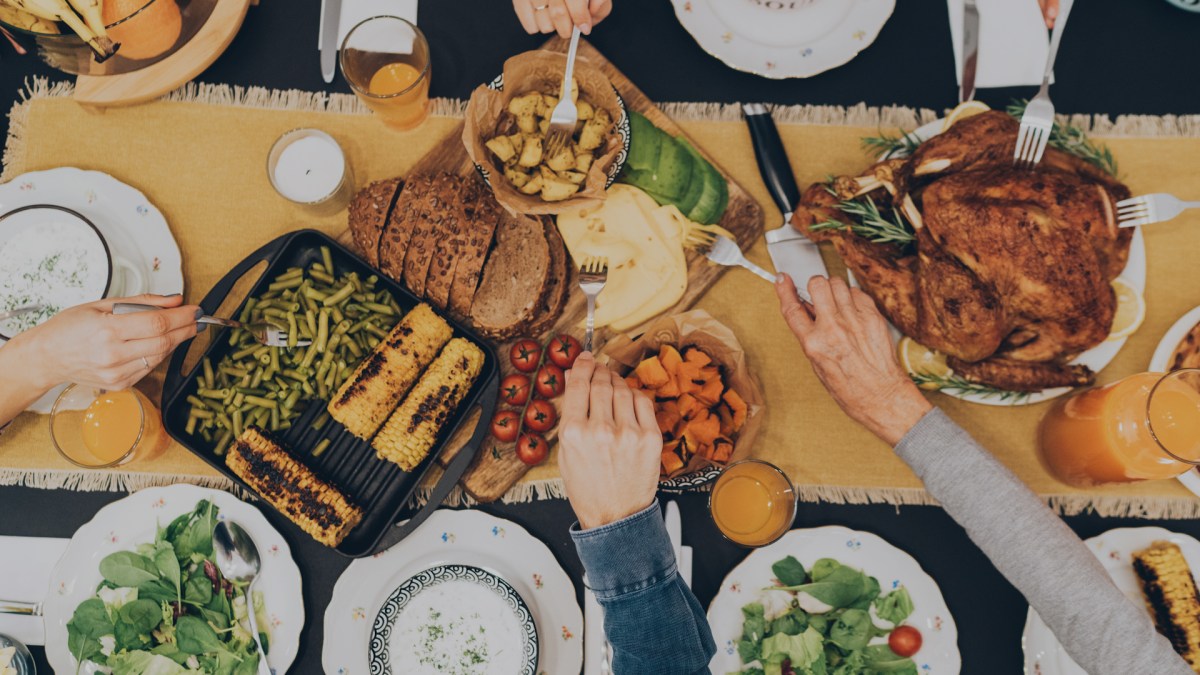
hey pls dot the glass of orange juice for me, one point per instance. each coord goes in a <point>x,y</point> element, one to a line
<point>1144,427</point>
<point>753,503</point>
<point>386,61</point>
<point>96,429</point>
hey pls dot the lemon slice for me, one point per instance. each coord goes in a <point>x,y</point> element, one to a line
<point>1131,310</point>
<point>963,111</point>
<point>918,359</point>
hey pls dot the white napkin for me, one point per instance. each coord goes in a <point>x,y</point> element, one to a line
<point>355,11</point>
<point>27,563</point>
<point>1013,42</point>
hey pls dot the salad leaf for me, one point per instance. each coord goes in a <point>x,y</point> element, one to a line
<point>168,566</point>
<point>852,630</point>
<point>895,607</point>
<point>838,586</point>
<point>881,659</point>
<point>158,590</point>
<point>195,636</point>
<point>754,624</point>
<point>198,590</point>
<point>126,568</point>
<point>789,572</point>
<point>248,665</point>
<point>864,601</point>
<point>747,651</point>
<point>792,622</point>
<point>89,623</point>
<point>143,663</point>
<point>801,650</point>
<point>196,535</point>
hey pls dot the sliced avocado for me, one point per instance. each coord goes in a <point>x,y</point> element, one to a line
<point>696,186</point>
<point>714,198</point>
<point>645,143</point>
<point>675,170</point>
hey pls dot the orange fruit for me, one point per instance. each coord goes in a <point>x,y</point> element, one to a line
<point>143,31</point>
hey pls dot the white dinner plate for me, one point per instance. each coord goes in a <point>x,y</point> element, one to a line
<point>784,38</point>
<point>860,550</point>
<point>457,537</point>
<point>1114,549</point>
<point>134,520</point>
<point>1095,358</point>
<point>1162,360</point>
<point>134,228</point>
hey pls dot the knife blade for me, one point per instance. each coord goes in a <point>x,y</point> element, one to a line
<point>791,252</point>
<point>970,50</point>
<point>331,12</point>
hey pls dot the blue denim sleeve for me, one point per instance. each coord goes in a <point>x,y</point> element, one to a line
<point>653,622</point>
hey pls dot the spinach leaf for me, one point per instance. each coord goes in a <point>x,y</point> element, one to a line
<point>824,567</point>
<point>196,535</point>
<point>126,568</point>
<point>171,651</point>
<point>220,663</point>
<point>754,626</point>
<point>881,659</point>
<point>158,591</point>
<point>864,601</point>
<point>789,572</point>
<point>144,615</point>
<point>248,665</point>
<point>143,663</point>
<point>195,636</point>
<point>91,619</point>
<point>837,587</point>
<point>895,607</point>
<point>747,651</point>
<point>852,630</point>
<point>792,622</point>
<point>198,590</point>
<point>168,566</point>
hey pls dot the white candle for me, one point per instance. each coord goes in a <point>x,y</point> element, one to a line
<point>307,166</point>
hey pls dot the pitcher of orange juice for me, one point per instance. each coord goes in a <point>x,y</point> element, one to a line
<point>1144,427</point>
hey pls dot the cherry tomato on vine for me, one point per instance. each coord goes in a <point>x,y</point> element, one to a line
<point>550,381</point>
<point>563,351</point>
<point>540,416</point>
<point>505,425</point>
<point>514,389</point>
<point>532,449</point>
<point>525,355</point>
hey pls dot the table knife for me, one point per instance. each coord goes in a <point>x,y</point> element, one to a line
<point>791,252</point>
<point>970,50</point>
<point>331,12</point>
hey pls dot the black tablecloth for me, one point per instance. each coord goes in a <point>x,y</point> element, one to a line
<point>1118,57</point>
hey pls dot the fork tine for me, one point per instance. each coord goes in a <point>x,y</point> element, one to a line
<point>1043,139</point>
<point>1022,135</point>
<point>1132,201</point>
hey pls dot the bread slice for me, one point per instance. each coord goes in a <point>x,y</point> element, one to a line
<point>369,213</point>
<point>450,242</point>
<point>430,224</point>
<point>558,286</point>
<point>393,245</point>
<point>514,278</point>
<point>482,216</point>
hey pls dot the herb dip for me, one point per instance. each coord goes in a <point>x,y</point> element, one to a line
<point>56,264</point>
<point>457,628</point>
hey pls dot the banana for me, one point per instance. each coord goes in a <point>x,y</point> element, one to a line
<point>59,10</point>
<point>90,11</point>
<point>26,21</point>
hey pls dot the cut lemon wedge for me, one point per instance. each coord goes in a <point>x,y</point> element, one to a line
<point>918,359</point>
<point>1131,310</point>
<point>963,111</point>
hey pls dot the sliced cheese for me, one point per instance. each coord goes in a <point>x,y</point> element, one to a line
<point>647,270</point>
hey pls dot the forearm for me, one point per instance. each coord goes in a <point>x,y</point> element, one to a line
<point>1035,550</point>
<point>20,384</point>
<point>653,622</point>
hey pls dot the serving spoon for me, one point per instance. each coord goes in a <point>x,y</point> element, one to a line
<point>237,558</point>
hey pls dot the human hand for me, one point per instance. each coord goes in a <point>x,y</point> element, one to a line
<point>89,345</point>
<point>1049,11</point>
<point>610,445</point>
<point>548,16</point>
<point>848,343</point>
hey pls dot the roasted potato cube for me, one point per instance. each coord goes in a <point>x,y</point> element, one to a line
<point>516,177</point>
<point>531,153</point>
<point>563,160</point>
<point>586,111</point>
<point>517,140</point>
<point>502,148</point>
<point>533,187</point>
<point>525,105</point>
<point>546,107</point>
<point>593,133</point>
<point>583,161</point>
<point>573,176</point>
<point>528,124</point>
<point>543,125</point>
<point>556,189</point>
<point>601,116</point>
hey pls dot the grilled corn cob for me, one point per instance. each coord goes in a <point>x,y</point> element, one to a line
<point>292,488</point>
<point>411,431</point>
<point>383,378</point>
<point>1171,593</point>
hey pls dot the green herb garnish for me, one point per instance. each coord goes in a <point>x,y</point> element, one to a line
<point>1072,140</point>
<point>959,385</point>
<point>870,223</point>
<point>889,146</point>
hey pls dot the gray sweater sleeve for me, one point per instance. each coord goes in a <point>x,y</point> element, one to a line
<point>1099,626</point>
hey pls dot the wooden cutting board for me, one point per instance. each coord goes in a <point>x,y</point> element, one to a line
<point>497,467</point>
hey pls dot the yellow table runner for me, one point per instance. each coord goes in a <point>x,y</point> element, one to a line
<point>200,157</point>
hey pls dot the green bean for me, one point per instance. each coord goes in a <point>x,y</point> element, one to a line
<point>247,310</point>
<point>322,330</point>
<point>212,393</point>
<point>378,308</point>
<point>190,427</point>
<point>321,276</point>
<point>291,273</point>
<point>314,294</point>
<point>327,258</point>
<point>232,371</point>
<point>262,402</point>
<point>223,443</point>
<point>291,339</point>
<point>286,283</point>
<point>321,447</point>
<point>201,414</point>
<point>237,422</point>
<point>338,296</point>
<point>375,330</point>
<point>208,373</point>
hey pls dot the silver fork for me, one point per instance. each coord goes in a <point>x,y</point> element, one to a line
<point>593,275</point>
<point>1038,119</point>
<point>726,252</point>
<point>1153,208</point>
<point>264,332</point>
<point>566,114</point>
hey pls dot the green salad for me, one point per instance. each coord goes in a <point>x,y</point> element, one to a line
<point>827,626</point>
<point>164,608</point>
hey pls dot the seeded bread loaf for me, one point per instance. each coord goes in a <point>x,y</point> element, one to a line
<point>557,286</point>
<point>434,222</point>
<point>514,278</point>
<point>369,211</point>
<point>450,243</point>
<point>482,216</point>
<point>394,243</point>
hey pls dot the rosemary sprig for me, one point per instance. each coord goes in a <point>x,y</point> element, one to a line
<point>891,146</point>
<point>871,224</point>
<point>1073,140</point>
<point>959,385</point>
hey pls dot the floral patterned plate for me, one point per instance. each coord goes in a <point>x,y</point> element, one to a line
<point>134,520</point>
<point>861,550</point>
<point>467,537</point>
<point>784,38</point>
<point>1114,549</point>
<point>134,228</point>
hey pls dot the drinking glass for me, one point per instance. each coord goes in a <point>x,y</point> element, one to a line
<point>386,61</point>
<point>753,503</point>
<point>1144,427</point>
<point>97,429</point>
